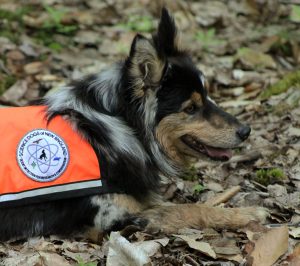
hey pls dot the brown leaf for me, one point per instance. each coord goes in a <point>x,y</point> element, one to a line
<point>33,68</point>
<point>201,246</point>
<point>15,61</point>
<point>53,259</point>
<point>270,246</point>
<point>16,91</point>
<point>254,59</point>
<point>35,22</point>
<point>295,232</point>
<point>237,257</point>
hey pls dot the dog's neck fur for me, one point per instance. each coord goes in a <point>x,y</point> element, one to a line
<point>132,128</point>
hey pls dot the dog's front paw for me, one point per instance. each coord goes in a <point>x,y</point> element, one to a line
<point>258,214</point>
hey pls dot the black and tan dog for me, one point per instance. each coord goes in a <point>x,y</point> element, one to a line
<point>143,117</point>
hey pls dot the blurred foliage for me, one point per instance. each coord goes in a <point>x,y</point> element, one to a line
<point>295,14</point>
<point>139,24</point>
<point>269,176</point>
<point>6,81</point>
<point>290,80</point>
<point>54,23</point>
<point>191,174</point>
<point>208,39</point>
<point>82,263</point>
<point>197,189</point>
<point>9,21</point>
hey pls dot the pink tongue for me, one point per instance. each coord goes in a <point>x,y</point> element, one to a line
<point>219,153</point>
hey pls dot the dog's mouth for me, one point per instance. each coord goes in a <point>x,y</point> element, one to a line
<point>214,153</point>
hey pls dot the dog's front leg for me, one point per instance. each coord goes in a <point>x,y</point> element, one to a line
<point>170,219</point>
<point>114,212</point>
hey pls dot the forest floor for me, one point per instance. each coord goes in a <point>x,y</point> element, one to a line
<point>249,51</point>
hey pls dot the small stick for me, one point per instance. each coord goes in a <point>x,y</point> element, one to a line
<point>249,156</point>
<point>224,196</point>
<point>191,260</point>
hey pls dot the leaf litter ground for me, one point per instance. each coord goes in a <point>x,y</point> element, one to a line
<point>249,51</point>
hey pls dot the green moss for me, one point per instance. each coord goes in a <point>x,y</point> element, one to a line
<point>254,59</point>
<point>197,189</point>
<point>82,263</point>
<point>290,80</point>
<point>122,48</point>
<point>295,13</point>
<point>9,34</point>
<point>6,82</point>
<point>16,15</point>
<point>44,35</point>
<point>53,26</point>
<point>269,176</point>
<point>54,22</point>
<point>47,39</point>
<point>191,174</point>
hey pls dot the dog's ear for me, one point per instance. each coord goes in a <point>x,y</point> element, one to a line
<point>148,58</point>
<point>146,67</point>
<point>165,40</point>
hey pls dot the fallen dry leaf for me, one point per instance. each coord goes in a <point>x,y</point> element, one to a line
<point>122,253</point>
<point>238,257</point>
<point>269,247</point>
<point>16,92</point>
<point>201,246</point>
<point>35,258</point>
<point>255,59</point>
<point>294,232</point>
<point>33,68</point>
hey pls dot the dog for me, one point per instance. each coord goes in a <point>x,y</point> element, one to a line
<point>43,155</point>
<point>144,117</point>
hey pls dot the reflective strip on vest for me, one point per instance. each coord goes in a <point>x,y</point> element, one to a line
<point>40,161</point>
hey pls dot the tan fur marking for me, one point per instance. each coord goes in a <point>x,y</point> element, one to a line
<point>197,99</point>
<point>170,219</point>
<point>172,127</point>
<point>145,58</point>
<point>128,202</point>
<point>94,235</point>
<point>164,134</point>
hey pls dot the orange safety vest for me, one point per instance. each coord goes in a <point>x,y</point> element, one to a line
<point>43,161</point>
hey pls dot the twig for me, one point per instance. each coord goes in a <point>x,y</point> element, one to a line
<point>191,260</point>
<point>259,185</point>
<point>249,156</point>
<point>224,196</point>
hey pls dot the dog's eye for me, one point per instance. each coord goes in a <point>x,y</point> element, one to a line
<point>191,109</point>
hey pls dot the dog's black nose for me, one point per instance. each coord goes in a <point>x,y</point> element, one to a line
<point>243,132</point>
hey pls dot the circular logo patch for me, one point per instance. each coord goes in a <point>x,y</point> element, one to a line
<point>42,155</point>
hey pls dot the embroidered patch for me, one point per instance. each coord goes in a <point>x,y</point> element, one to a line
<point>42,155</point>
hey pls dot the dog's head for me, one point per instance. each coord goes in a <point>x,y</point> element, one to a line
<point>170,91</point>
